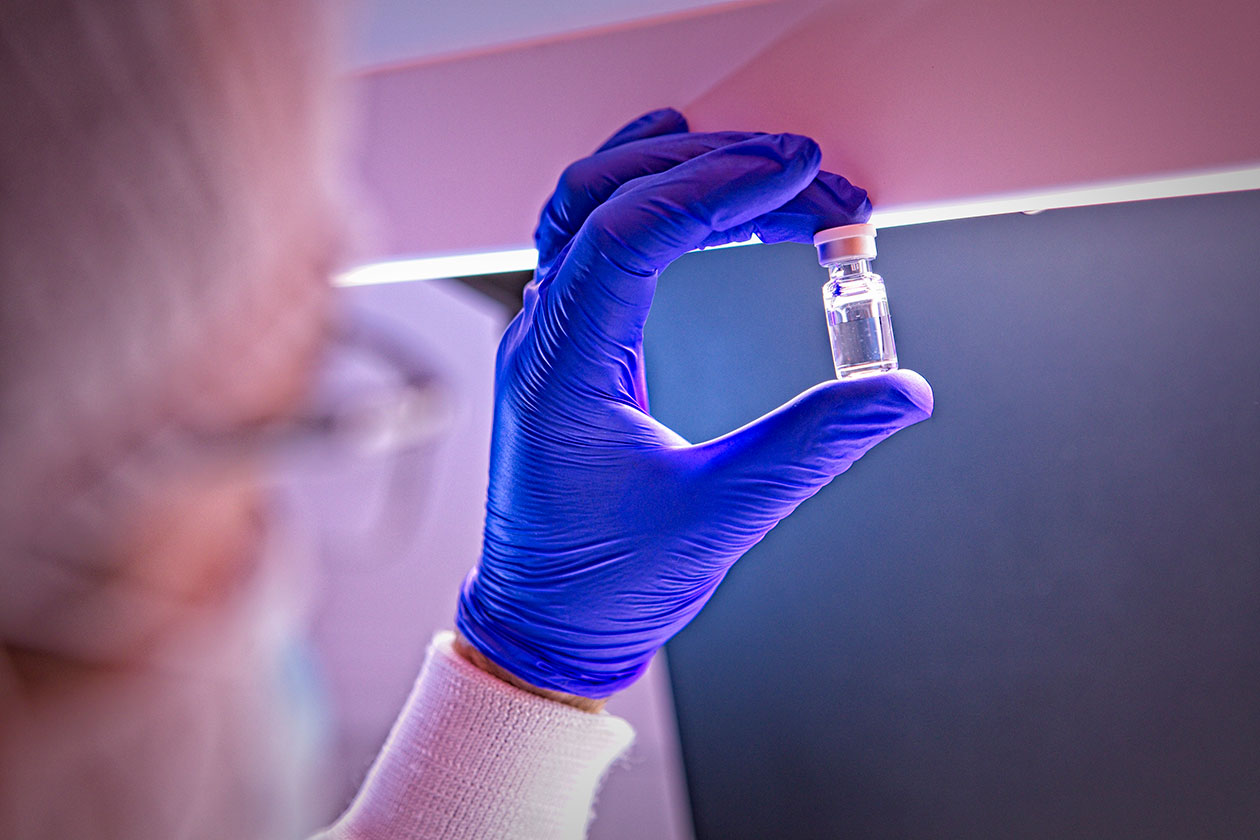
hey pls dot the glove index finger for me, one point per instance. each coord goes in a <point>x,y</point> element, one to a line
<point>608,275</point>
<point>828,201</point>
<point>587,183</point>
<point>651,221</point>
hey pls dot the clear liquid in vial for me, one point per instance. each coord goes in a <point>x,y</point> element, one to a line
<point>861,335</point>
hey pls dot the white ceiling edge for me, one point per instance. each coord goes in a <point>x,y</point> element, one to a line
<point>1206,182</point>
<point>390,32</point>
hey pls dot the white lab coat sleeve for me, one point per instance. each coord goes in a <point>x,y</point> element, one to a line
<point>473,757</point>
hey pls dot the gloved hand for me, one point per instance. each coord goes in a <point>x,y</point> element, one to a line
<point>605,531</point>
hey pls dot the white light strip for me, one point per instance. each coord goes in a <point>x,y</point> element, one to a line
<point>433,268</point>
<point>1115,192</point>
<point>526,259</point>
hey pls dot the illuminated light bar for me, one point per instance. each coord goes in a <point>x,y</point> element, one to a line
<point>526,259</point>
<point>434,268</point>
<point>1115,192</point>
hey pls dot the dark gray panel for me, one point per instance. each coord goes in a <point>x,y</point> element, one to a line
<point>1036,615</point>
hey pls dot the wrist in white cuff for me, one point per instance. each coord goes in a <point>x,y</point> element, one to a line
<point>474,757</point>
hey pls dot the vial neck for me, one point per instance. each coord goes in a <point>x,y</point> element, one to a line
<point>849,269</point>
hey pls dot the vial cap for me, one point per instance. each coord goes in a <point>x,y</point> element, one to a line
<point>847,242</point>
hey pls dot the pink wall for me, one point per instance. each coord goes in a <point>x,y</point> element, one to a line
<point>459,156</point>
<point>928,101</point>
<point>919,101</point>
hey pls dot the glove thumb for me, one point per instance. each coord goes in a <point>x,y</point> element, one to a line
<point>767,468</point>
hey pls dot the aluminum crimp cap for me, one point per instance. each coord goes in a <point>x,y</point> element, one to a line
<point>847,242</point>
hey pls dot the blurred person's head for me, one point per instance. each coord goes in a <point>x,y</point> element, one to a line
<point>167,226</point>
<point>168,222</point>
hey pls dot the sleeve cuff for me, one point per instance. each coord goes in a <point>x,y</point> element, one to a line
<point>473,757</point>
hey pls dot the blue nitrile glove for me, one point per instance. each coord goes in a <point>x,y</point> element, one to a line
<point>605,531</point>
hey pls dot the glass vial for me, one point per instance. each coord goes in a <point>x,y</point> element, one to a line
<point>855,302</point>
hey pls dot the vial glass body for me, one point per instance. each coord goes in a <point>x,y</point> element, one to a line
<point>858,321</point>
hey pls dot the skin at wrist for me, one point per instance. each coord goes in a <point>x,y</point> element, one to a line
<point>471,654</point>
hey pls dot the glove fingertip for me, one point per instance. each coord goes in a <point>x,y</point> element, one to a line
<point>900,398</point>
<point>851,204</point>
<point>797,147</point>
<point>862,214</point>
<point>916,392</point>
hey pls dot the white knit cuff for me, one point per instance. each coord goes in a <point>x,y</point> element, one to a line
<point>473,757</point>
